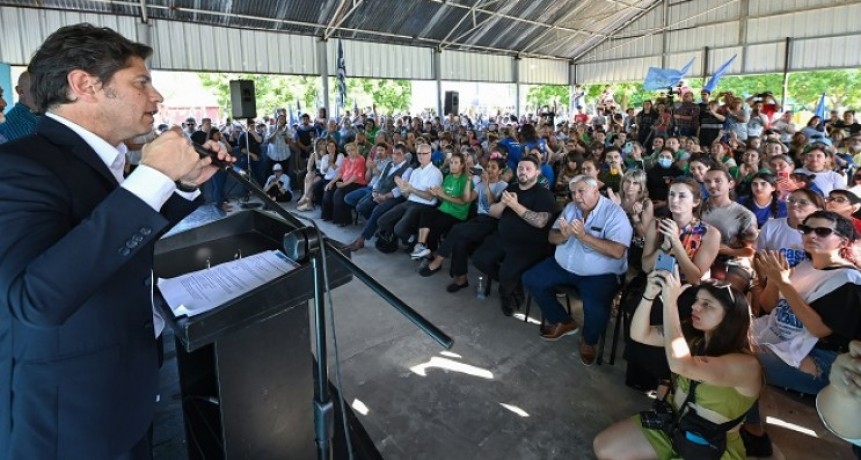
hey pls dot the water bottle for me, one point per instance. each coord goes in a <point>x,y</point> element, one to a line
<point>480,287</point>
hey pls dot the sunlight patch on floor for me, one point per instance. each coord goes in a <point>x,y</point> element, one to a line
<point>790,426</point>
<point>359,407</point>
<point>453,366</point>
<point>515,409</point>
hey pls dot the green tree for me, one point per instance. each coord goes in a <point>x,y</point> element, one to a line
<point>271,91</point>
<point>390,96</point>
<point>842,88</point>
<point>547,95</point>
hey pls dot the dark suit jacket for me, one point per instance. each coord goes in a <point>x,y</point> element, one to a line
<point>78,374</point>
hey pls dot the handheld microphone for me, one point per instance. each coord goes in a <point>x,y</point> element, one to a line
<point>204,152</point>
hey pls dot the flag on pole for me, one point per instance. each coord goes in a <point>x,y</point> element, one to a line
<point>658,78</point>
<point>355,108</point>
<point>298,108</point>
<point>341,77</point>
<point>291,118</point>
<point>821,110</point>
<point>713,81</point>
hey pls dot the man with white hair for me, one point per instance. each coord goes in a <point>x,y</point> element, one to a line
<point>592,237</point>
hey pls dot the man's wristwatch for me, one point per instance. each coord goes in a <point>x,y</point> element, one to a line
<point>188,188</point>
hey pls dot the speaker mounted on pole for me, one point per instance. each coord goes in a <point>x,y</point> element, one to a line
<point>452,103</point>
<point>243,100</point>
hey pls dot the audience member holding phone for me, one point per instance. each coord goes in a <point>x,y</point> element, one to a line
<point>711,358</point>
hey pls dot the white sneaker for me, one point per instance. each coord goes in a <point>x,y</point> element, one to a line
<point>420,251</point>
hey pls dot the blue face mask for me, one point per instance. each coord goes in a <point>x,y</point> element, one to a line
<point>665,162</point>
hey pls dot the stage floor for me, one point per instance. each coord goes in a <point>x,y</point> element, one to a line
<point>500,393</point>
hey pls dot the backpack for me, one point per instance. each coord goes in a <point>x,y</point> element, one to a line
<point>386,243</point>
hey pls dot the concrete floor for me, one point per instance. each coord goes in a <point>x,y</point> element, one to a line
<point>500,393</point>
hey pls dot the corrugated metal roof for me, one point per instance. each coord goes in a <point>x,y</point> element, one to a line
<point>541,28</point>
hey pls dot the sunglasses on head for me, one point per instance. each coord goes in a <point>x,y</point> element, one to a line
<point>721,285</point>
<point>820,231</point>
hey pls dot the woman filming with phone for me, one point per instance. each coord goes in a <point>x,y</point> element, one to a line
<point>716,378</point>
<point>684,240</point>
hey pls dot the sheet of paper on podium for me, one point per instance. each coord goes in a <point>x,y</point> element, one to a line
<point>197,292</point>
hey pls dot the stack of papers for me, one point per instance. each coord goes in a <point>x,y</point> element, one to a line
<point>198,292</point>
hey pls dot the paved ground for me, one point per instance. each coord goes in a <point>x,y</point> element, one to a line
<point>500,393</point>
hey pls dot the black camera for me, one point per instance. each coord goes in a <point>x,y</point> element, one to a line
<point>660,417</point>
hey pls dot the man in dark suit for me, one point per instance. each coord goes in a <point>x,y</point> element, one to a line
<point>78,374</point>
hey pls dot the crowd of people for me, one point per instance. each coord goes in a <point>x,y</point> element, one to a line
<point>735,229</point>
<point>756,216</point>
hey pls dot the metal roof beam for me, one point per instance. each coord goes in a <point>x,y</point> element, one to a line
<point>620,28</point>
<point>339,17</point>
<point>555,25</point>
<point>517,19</point>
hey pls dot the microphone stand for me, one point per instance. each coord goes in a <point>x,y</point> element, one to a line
<point>304,244</point>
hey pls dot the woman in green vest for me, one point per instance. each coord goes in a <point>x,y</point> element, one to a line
<point>455,196</point>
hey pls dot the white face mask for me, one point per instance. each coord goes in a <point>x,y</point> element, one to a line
<point>665,162</point>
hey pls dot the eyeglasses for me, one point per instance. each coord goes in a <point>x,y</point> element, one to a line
<point>801,203</point>
<point>423,153</point>
<point>838,199</point>
<point>821,232</point>
<point>721,285</point>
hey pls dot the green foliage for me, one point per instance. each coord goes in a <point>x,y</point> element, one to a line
<point>541,95</point>
<point>390,96</point>
<point>276,91</point>
<point>272,91</point>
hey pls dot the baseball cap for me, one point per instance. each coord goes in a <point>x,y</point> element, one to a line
<point>277,167</point>
<point>190,121</point>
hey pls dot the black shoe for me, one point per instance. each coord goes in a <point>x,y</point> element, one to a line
<point>505,303</point>
<point>756,446</point>
<point>427,271</point>
<point>454,287</point>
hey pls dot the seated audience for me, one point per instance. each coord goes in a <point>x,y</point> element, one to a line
<point>824,178</point>
<point>594,230</point>
<point>715,377</point>
<point>464,238</point>
<point>814,311</point>
<point>737,225</point>
<point>384,196</point>
<point>764,201</point>
<point>401,221</point>
<point>525,213</point>
<point>350,177</point>
<point>455,195</point>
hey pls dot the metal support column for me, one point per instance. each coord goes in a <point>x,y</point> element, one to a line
<point>437,75</point>
<point>323,60</point>
<point>515,72</point>
<point>786,57</point>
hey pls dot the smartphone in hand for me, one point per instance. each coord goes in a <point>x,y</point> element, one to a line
<point>665,262</point>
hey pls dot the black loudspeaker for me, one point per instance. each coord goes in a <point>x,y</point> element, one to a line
<point>452,103</point>
<point>242,99</point>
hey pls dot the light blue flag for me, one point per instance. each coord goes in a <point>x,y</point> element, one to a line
<point>713,81</point>
<point>291,119</point>
<point>821,110</point>
<point>658,78</point>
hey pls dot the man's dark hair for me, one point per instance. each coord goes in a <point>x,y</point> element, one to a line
<point>96,50</point>
<point>532,158</point>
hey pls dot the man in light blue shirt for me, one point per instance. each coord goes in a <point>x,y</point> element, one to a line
<point>592,237</point>
<point>21,120</point>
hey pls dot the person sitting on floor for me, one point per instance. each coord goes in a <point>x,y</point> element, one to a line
<point>456,196</point>
<point>592,237</point>
<point>278,185</point>
<point>464,238</point>
<point>525,213</point>
<point>711,358</point>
